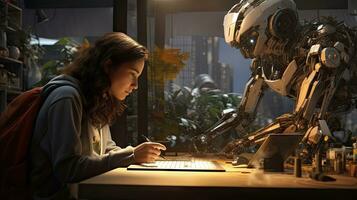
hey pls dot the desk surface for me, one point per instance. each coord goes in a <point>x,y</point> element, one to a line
<point>235,181</point>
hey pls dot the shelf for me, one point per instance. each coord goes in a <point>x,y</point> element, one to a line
<point>11,23</point>
<point>15,16</point>
<point>9,60</point>
<point>14,7</point>
<point>10,90</point>
<point>12,16</point>
<point>7,29</point>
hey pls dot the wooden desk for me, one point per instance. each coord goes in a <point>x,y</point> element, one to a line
<point>235,183</point>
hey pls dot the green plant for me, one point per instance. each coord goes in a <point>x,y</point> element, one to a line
<point>164,65</point>
<point>67,50</point>
<point>188,114</point>
<point>28,50</point>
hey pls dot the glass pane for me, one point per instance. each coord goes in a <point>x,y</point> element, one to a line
<point>58,32</point>
<point>191,78</point>
<point>194,75</point>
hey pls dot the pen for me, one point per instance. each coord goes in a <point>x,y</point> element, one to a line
<point>148,140</point>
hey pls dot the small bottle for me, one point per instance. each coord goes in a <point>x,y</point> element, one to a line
<point>338,164</point>
<point>318,166</point>
<point>297,166</point>
<point>354,152</point>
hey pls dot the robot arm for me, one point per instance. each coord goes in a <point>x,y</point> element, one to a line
<point>310,91</point>
<point>239,119</point>
<point>252,95</point>
<point>328,65</point>
<point>246,111</point>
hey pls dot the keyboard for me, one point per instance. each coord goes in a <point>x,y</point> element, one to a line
<point>179,165</point>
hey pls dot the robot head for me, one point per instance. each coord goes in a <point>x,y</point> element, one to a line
<point>249,24</point>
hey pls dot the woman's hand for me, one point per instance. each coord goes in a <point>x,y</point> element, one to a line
<point>148,152</point>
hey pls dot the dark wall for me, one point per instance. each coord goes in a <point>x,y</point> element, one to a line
<point>182,5</point>
<point>32,4</point>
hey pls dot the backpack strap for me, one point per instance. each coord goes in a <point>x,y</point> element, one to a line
<point>46,91</point>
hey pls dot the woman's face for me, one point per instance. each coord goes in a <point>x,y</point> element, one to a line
<point>124,79</point>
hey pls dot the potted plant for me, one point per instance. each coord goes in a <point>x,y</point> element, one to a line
<point>189,112</point>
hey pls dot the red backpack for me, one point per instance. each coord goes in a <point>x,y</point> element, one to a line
<point>16,127</point>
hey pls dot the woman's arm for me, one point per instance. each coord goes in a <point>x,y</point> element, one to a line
<point>65,152</point>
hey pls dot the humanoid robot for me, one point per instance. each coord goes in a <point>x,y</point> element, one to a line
<point>312,63</point>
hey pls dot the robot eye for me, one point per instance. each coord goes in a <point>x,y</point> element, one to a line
<point>248,42</point>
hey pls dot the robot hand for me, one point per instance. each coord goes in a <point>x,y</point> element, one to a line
<point>248,143</point>
<point>229,120</point>
<point>235,147</point>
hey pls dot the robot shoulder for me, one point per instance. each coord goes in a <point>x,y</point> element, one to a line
<point>331,44</point>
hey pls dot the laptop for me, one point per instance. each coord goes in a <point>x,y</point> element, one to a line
<point>180,165</point>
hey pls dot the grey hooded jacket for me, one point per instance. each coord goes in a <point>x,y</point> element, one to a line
<point>63,146</point>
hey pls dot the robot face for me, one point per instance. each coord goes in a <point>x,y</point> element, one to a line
<point>249,24</point>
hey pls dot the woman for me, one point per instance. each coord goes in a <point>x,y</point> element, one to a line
<point>72,140</point>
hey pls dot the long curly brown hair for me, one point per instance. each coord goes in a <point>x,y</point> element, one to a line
<point>88,67</point>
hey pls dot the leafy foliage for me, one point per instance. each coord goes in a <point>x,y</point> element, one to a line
<point>68,49</point>
<point>27,49</point>
<point>189,113</point>
<point>167,63</point>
